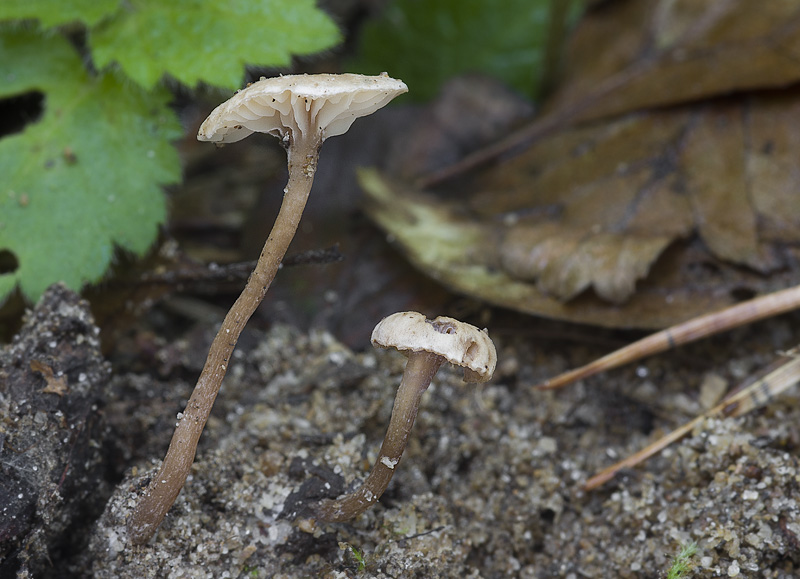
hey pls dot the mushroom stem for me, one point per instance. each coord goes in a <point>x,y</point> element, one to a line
<point>167,484</point>
<point>420,370</point>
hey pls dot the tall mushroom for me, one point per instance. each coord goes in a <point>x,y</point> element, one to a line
<point>427,344</point>
<point>302,111</point>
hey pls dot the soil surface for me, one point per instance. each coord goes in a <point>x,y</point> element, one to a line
<point>491,483</point>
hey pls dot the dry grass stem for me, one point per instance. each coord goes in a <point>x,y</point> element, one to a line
<point>744,313</point>
<point>757,394</point>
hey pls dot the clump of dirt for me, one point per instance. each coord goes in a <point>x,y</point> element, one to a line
<point>52,479</point>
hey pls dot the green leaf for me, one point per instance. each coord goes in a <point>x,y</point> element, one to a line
<point>87,175</point>
<point>425,42</point>
<point>202,40</point>
<point>56,12</point>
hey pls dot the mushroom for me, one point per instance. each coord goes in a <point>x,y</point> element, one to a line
<point>302,111</point>
<point>427,344</point>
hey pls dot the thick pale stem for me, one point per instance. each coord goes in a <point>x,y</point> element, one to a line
<point>420,370</point>
<point>167,484</point>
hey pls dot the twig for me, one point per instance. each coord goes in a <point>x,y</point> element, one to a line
<point>228,272</point>
<point>754,396</point>
<point>744,313</point>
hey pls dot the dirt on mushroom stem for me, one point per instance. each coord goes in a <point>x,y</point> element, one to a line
<point>302,129</point>
<point>167,484</point>
<point>420,370</point>
<point>427,344</point>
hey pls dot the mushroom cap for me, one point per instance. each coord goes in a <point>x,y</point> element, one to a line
<point>459,343</point>
<point>303,105</point>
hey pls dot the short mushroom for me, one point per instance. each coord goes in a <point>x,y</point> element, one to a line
<point>427,344</point>
<point>302,111</point>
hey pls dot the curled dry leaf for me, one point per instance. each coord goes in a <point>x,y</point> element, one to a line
<point>607,200</point>
<point>665,215</point>
<point>460,252</point>
<point>646,218</point>
<point>567,260</point>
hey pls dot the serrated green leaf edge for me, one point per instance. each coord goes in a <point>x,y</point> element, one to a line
<point>197,41</point>
<point>87,176</point>
<point>51,13</point>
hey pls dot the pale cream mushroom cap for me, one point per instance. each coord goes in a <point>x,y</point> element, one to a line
<point>459,343</point>
<point>301,104</point>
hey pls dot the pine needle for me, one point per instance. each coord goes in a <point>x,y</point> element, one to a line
<point>744,313</point>
<point>757,394</point>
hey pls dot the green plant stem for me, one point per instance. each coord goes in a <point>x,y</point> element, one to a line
<point>683,562</point>
<point>167,484</point>
<point>420,370</point>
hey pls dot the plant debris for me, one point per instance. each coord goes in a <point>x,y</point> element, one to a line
<point>648,190</point>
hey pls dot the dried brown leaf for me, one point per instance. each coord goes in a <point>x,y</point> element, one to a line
<point>53,384</point>
<point>629,55</point>
<point>663,214</point>
<point>461,252</point>
<point>625,189</point>
<point>660,214</point>
<point>566,261</point>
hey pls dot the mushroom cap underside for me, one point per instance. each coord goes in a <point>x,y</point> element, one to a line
<point>459,343</point>
<point>303,105</point>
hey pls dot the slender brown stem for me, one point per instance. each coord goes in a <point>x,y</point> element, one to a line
<point>167,484</point>
<point>420,370</point>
